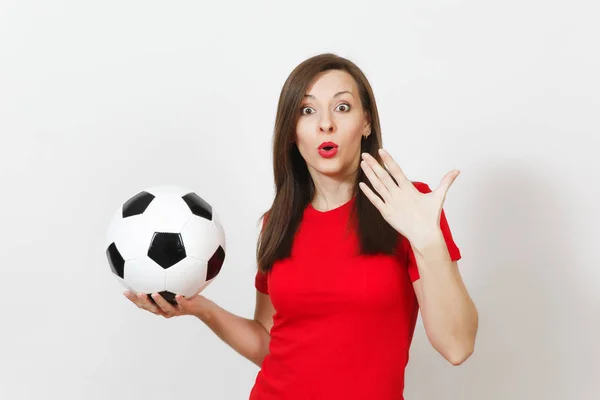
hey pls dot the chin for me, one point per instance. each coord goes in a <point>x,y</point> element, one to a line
<point>332,169</point>
<point>330,172</point>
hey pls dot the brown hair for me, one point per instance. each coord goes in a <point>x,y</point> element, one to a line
<point>294,188</point>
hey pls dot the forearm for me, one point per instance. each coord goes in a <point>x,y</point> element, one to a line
<point>246,336</point>
<point>449,315</point>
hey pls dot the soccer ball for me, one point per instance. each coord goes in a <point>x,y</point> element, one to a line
<point>165,239</point>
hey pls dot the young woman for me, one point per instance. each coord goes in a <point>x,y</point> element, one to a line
<point>349,252</point>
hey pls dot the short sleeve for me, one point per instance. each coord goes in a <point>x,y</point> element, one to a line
<point>261,279</point>
<point>453,249</point>
<point>261,282</point>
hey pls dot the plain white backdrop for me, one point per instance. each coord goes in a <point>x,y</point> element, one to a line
<point>99,100</point>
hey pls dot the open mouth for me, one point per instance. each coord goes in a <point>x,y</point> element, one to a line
<point>328,151</point>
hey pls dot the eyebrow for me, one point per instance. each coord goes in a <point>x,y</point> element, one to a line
<point>335,95</point>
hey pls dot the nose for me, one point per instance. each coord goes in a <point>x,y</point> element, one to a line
<point>326,124</point>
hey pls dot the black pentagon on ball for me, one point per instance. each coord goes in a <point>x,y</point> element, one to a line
<point>137,204</point>
<point>115,259</point>
<point>168,296</point>
<point>166,249</point>
<point>215,263</point>
<point>198,206</point>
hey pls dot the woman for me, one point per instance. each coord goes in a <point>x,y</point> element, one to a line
<point>349,251</point>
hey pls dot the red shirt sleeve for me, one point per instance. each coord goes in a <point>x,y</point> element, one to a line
<point>261,279</point>
<point>261,282</point>
<point>453,249</point>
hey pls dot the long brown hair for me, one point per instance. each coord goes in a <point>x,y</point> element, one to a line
<point>294,188</point>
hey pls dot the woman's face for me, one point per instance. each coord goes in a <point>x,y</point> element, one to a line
<point>331,111</point>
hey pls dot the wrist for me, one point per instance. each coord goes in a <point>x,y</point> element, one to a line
<point>203,312</point>
<point>428,241</point>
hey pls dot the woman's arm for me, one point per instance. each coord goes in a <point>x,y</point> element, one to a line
<point>449,315</point>
<point>248,337</point>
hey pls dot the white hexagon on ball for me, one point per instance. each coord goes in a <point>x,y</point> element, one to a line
<point>133,236</point>
<point>167,213</point>
<point>186,277</point>
<point>200,228</point>
<point>144,275</point>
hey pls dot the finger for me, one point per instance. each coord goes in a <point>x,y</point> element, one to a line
<point>377,202</point>
<point>444,186</point>
<point>183,304</point>
<point>181,301</point>
<point>131,297</point>
<point>394,169</point>
<point>146,304</point>
<point>135,298</point>
<point>375,181</point>
<point>164,305</point>
<point>381,173</point>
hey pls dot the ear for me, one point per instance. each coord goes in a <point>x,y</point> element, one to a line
<point>367,125</point>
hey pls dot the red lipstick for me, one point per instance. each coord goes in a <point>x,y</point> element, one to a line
<point>328,149</point>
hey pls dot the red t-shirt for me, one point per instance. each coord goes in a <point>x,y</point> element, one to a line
<point>343,322</point>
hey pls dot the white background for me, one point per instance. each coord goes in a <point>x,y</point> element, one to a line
<point>99,100</point>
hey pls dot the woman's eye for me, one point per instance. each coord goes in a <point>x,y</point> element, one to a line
<point>307,110</point>
<point>344,107</point>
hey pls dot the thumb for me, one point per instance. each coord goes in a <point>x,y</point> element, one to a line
<point>447,181</point>
<point>182,302</point>
<point>189,305</point>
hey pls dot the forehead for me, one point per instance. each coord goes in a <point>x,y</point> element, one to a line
<point>330,82</point>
